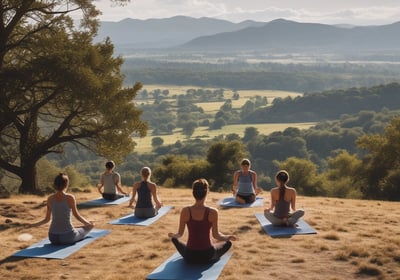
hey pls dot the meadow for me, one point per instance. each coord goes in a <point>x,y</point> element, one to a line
<point>356,239</point>
<point>144,144</point>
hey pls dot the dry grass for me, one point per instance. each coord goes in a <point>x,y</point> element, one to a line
<point>356,240</point>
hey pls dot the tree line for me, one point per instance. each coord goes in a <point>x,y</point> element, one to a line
<point>239,75</point>
<point>65,107</point>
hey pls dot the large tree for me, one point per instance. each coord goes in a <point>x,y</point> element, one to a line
<point>381,164</point>
<point>57,87</point>
<point>224,158</point>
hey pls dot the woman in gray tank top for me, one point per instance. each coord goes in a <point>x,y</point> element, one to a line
<point>59,208</point>
<point>245,189</point>
<point>282,198</point>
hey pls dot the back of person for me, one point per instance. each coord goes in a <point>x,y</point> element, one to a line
<point>61,212</point>
<point>282,206</point>
<point>110,183</point>
<point>144,196</point>
<point>199,232</point>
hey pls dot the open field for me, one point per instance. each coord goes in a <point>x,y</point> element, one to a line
<point>144,144</point>
<point>355,240</point>
<point>214,106</point>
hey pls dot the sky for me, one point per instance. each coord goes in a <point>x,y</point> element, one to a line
<point>354,12</point>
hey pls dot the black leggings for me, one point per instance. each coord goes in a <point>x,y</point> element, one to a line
<point>111,196</point>
<point>201,256</point>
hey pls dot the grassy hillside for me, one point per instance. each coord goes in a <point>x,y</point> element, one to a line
<point>355,240</point>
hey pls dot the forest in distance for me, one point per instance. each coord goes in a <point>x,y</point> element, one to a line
<point>332,158</point>
<point>304,73</point>
<point>69,103</point>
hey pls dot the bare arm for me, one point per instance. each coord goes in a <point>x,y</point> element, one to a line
<point>47,216</point>
<point>153,189</point>
<point>213,218</point>
<point>235,182</point>
<point>119,187</point>
<point>72,204</point>
<point>254,181</point>
<point>134,190</point>
<point>273,201</point>
<point>184,218</point>
<point>293,199</point>
<point>100,184</point>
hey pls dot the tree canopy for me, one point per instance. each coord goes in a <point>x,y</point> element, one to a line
<point>58,87</point>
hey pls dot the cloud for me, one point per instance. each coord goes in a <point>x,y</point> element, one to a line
<point>236,11</point>
<point>357,16</point>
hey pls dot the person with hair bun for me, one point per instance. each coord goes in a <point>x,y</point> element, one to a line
<point>59,207</point>
<point>283,198</point>
<point>200,221</point>
<point>145,190</point>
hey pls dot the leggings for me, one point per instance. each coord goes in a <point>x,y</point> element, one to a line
<point>145,212</point>
<point>77,234</point>
<point>111,196</point>
<point>291,219</point>
<point>201,256</point>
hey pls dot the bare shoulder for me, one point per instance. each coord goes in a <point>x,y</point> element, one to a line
<point>293,190</point>
<point>185,209</point>
<point>213,213</point>
<point>274,190</point>
<point>70,196</point>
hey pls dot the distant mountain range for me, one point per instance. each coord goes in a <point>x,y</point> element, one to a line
<point>208,34</point>
<point>164,33</point>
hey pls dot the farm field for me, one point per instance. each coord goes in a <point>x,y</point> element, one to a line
<point>144,144</point>
<point>214,106</point>
<point>356,239</point>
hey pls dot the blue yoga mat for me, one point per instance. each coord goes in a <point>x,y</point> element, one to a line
<point>176,268</point>
<point>231,202</point>
<point>102,201</point>
<point>131,219</point>
<point>44,248</point>
<point>276,231</point>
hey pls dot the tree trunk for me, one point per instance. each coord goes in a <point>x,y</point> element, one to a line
<point>29,179</point>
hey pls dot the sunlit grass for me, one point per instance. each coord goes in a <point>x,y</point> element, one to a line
<point>345,248</point>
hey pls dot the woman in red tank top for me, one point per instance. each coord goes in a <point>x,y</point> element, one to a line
<point>200,220</point>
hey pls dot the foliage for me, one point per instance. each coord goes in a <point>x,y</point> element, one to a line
<point>239,75</point>
<point>223,157</point>
<point>156,141</point>
<point>341,176</point>
<point>381,164</point>
<point>177,171</point>
<point>303,176</point>
<point>58,88</point>
<point>328,105</point>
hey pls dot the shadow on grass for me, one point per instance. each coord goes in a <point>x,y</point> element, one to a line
<point>11,260</point>
<point>262,232</point>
